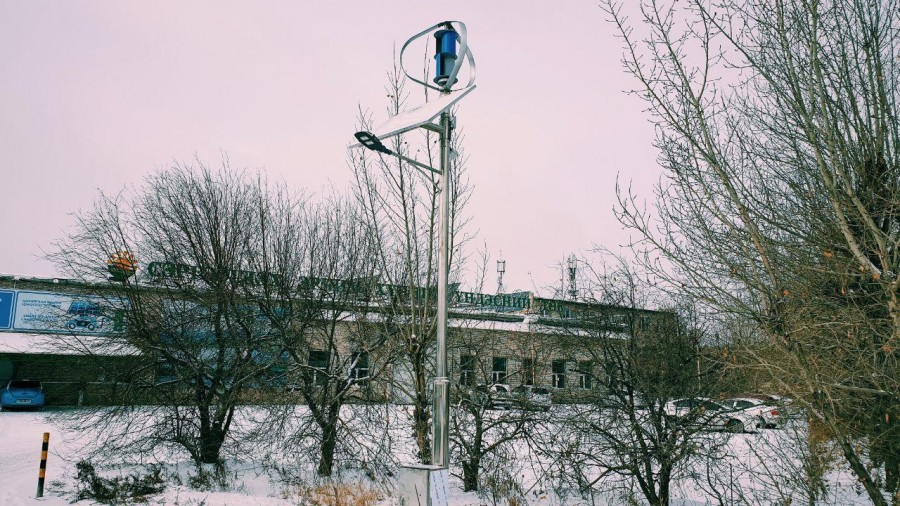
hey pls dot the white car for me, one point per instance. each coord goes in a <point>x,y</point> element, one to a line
<point>788,408</point>
<point>706,413</point>
<point>768,416</point>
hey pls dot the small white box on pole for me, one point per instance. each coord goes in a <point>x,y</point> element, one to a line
<point>422,485</point>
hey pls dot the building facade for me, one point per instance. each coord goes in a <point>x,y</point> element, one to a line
<point>54,330</point>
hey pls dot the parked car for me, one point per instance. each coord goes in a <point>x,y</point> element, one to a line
<point>788,408</point>
<point>769,416</point>
<point>709,414</point>
<point>701,410</point>
<point>22,394</point>
<point>495,396</point>
<point>532,397</point>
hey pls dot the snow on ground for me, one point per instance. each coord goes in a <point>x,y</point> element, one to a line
<point>757,470</point>
<point>20,455</point>
<point>20,448</point>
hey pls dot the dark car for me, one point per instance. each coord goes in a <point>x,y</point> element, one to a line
<point>22,394</point>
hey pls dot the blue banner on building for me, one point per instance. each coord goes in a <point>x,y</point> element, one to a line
<point>7,304</point>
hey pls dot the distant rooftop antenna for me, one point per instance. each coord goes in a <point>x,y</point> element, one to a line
<point>573,268</point>
<point>501,269</point>
<point>560,291</point>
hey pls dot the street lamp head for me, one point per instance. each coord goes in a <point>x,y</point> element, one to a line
<point>368,140</point>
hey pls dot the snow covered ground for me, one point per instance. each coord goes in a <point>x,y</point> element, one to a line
<point>756,469</point>
<point>20,455</point>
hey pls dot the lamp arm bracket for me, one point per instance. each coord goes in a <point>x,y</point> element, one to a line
<point>418,165</point>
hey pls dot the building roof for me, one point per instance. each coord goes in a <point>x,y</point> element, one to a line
<point>547,310</point>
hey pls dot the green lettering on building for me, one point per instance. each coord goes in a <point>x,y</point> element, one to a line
<point>160,271</point>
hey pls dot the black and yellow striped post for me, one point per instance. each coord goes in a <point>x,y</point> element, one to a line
<point>43,469</point>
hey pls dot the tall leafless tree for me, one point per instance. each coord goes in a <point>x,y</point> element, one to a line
<point>486,422</point>
<point>777,128</point>
<point>194,323</point>
<point>622,427</point>
<point>332,348</point>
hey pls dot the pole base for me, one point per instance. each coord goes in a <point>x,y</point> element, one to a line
<point>440,423</point>
<point>422,485</point>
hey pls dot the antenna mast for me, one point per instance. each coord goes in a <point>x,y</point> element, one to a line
<point>501,269</point>
<point>573,268</point>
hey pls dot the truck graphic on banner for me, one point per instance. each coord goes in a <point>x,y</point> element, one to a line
<point>84,314</point>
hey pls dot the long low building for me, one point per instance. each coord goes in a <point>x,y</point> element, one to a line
<point>58,332</point>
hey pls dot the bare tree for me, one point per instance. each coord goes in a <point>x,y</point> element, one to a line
<point>489,414</point>
<point>333,350</point>
<point>634,364</point>
<point>777,127</point>
<point>401,208</point>
<point>192,323</point>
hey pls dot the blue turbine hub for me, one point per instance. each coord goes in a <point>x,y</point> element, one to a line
<point>445,55</point>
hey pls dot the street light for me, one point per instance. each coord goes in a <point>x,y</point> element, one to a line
<point>370,141</point>
<point>448,62</point>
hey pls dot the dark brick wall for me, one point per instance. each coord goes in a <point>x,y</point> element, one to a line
<point>70,380</point>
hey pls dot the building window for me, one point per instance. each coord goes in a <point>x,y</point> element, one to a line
<point>559,374</point>
<point>586,374</point>
<point>611,374</point>
<point>318,363</point>
<point>528,371</point>
<point>360,369</point>
<point>645,323</point>
<point>165,372</point>
<point>498,372</point>
<point>467,370</point>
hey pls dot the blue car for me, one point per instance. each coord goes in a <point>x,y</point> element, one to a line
<point>22,394</point>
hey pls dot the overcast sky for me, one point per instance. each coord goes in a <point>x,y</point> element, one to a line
<point>95,95</point>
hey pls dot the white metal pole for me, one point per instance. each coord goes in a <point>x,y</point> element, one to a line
<point>440,434</point>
